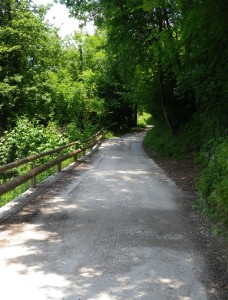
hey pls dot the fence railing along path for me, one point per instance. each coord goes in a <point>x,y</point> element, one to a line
<point>35,170</point>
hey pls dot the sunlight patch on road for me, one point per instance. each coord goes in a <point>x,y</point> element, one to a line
<point>104,297</point>
<point>90,272</point>
<point>174,284</point>
<point>34,283</point>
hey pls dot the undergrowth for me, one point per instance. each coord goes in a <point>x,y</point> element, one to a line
<point>208,147</point>
<point>144,119</point>
<point>212,185</point>
<point>29,138</point>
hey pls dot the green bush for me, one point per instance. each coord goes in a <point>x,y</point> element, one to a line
<point>204,142</point>
<point>193,139</point>
<point>160,140</point>
<point>213,184</point>
<point>74,133</point>
<point>28,138</point>
<point>144,119</point>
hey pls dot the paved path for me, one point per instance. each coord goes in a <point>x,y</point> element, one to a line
<point>114,233</point>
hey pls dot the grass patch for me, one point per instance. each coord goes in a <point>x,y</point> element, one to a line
<point>6,198</point>
<point>212,186</point>
<point>109,134</point>
<point>164,144</point>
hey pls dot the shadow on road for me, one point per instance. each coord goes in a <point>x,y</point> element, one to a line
<point>118,235</point>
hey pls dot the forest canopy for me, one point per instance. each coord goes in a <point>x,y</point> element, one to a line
<point>166,57</point>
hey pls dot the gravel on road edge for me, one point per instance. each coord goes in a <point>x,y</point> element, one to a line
<point>184,173</point>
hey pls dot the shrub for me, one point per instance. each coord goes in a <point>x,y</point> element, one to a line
<point>213,184</point>
<point>75,133</point>
<point>207,144</point>
<point>28,138</point>
<point>144,119</point>
<point>160,140</point>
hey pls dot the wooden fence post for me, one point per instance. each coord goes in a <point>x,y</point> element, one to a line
<point>32,180</point>
<point>59,167</point>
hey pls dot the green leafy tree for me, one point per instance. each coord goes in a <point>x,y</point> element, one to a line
<point>138,36</point>
<point>28,49</point>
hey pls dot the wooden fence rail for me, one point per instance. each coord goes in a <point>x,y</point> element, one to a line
<point>36,170</point>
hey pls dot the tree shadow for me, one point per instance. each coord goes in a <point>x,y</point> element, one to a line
<point>99,245</point>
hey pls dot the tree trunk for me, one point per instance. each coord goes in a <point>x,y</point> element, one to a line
<point>160,72</point>
<point>135,113</point>
<point>162,98</point>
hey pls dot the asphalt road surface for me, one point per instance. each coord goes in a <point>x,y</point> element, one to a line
<point>116,232</point>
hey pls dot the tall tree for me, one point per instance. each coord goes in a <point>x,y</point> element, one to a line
<point>139,32</point>
<point>28,49</point>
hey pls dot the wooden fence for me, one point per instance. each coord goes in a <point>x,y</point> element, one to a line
<point>88,143</point>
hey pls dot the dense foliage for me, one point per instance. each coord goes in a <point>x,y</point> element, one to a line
<point>168,58</point>
<point>45,80</point>
<point>213,185</point>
